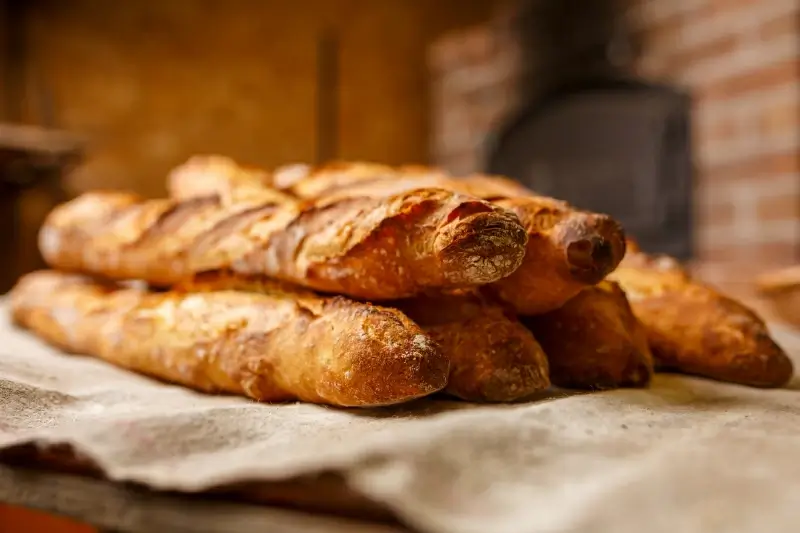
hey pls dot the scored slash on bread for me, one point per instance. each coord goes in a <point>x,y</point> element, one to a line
<point>690,327</point>
<point>493,356</point>
<point>456,258</point>
<point>695,330</point>
<point>375,248</point>
<point>567,249</point>
<point>275,345</point>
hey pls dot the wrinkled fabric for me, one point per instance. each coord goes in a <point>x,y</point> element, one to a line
<point>686,455</point>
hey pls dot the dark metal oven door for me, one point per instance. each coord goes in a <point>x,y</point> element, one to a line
<point>621,148</point>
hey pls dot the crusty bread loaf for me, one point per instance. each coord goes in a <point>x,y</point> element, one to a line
<point>693,329</point>
<point>373,248</point>
<point>493,357</point>
<point>213,175</point>
<point>567,249</point>
<point>309,182</point>
<point>594,341</point>
<point>274,346</point>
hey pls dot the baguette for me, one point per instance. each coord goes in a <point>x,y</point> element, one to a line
<point>695,330</point>
<point>308,182</point>
<point>567,249</point>
<point>493,357</point>
<point>383,248</point>
<point>594,341</point>
<point>275,346</point>
<point>203,176</point>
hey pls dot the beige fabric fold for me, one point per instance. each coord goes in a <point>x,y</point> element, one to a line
<point>687,455</point>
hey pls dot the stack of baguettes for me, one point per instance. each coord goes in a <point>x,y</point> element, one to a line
<point>364,285</point>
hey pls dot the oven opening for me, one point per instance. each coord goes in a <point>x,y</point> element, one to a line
<point>591,131</point>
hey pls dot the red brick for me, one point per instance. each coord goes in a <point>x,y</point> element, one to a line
<point>721,17</point>
<point>761,78</point>
<point>713,236</point>
<point>642,16</point>
<point>763,168</point>
<point>718,7</point>
<point>779,119</point>
<point>716,214</point>
<point>661,36</point>
<point>735,279</point>
<point>781,25</point>
<point>727,5</point>
<point>763,254</point>
<point>676,63</point>
<point>727,127</point>
<point>783,207</point>
<point>773,117</point>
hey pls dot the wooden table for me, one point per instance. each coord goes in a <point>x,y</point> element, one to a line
<point>115,507</point>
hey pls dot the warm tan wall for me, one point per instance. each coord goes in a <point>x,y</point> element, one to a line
<point>153,82</point>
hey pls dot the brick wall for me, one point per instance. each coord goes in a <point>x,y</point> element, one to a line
<point>741,61</point>
<point>474,72</point>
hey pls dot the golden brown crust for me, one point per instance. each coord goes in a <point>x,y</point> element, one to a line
<point>693,329</point>
<point>273,346</point>
<point>493,357</point>
<point>309,182</point>
<point>373,248</point>
<point>594,341</point>
<point>492,187</point>
<point>214,175</point>
<point>567,249</point>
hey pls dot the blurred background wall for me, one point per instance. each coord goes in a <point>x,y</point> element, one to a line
<point>151,82</point>
<point>145,84</point>
<point>739,61</point>
<point>142,85</point>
